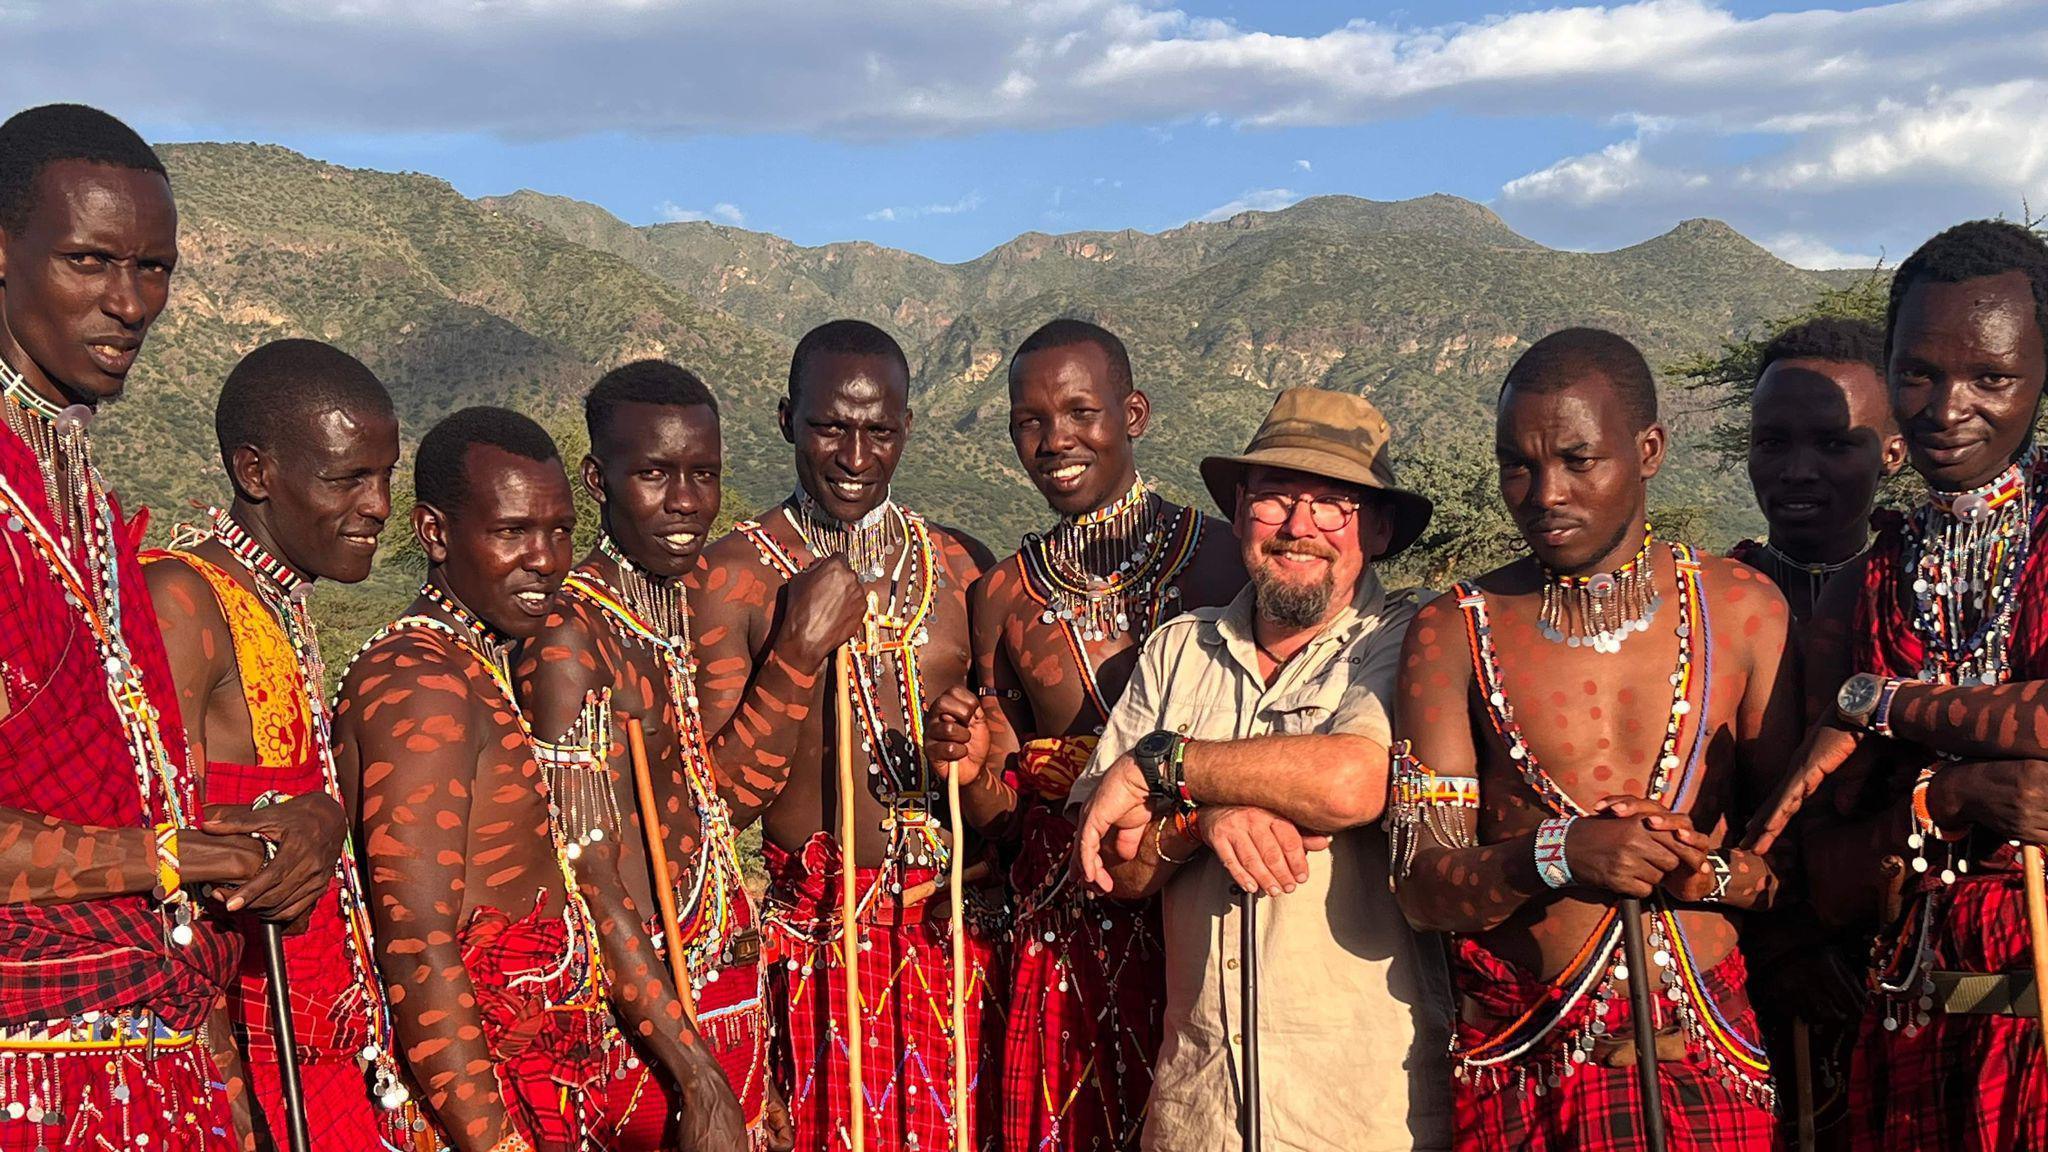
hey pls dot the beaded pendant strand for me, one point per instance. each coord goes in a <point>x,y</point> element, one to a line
<point>1100,569</point>
<point>1601,610</point>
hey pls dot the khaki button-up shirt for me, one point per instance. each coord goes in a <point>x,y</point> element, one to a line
<point>1354,1008</point>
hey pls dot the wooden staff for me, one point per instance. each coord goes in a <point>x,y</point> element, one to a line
<point>2037,928</point>
<point>956,897</point>
<point>286,1034</point>
<point>849,903</point>
<point>1802,1074</point>
<point>1248,972</point>
<point>1646,1024</point>
<point>656,838</point>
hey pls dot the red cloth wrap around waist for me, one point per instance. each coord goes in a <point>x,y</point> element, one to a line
<point>330,1010</point>
<point>803,886</point>
<point>527,992</point>
<point>63,753</point>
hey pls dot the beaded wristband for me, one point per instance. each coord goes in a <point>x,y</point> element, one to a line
<point>513,1142</point>
<point>1177,774</point>
<point>1159,836</point>
<point>1550,862</point>
<point>1881,719</point>
<point>1718,861</point>
<point>169,879</point>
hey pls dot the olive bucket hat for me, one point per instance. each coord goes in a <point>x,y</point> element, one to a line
<point>1335,435</point>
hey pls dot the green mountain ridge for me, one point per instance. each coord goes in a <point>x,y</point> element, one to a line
<point>525,299</point>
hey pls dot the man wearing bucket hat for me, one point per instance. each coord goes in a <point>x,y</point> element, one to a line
<point>1249,754</point>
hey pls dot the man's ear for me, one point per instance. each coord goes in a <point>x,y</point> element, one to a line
<point>593,479</point>
<point>1894,454</point>
<point>783,416</point>
<point>1137,414</point>
<point>249,470</point>
<point>430,528</point>
<point>3,257</point>
<point>1652,441</point>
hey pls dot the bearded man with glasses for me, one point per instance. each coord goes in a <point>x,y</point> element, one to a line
<point>1272,747</point>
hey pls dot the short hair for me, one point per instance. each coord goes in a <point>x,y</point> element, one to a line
<point>641,382</point>
<point>1970,250</point>
<point>274,389</point>
<point>1838,339</point>
<point>846,338</point>
<point>1562,358</point>
<point>1065,333</point>
<point>34,139</point>
<point>438,469</point>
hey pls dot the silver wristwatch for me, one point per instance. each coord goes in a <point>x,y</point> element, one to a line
<point>1857,701</point>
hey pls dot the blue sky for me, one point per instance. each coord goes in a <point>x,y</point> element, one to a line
<point>949,126</point>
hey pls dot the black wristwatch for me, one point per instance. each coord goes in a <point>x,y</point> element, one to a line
<point>1152,753</point>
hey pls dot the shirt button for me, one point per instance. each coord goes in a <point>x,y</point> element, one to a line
<point>1231,964</point>
<point>1237,1039</point>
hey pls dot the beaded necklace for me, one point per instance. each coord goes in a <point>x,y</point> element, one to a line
<point>1601,610</point>
<point>1097,570</point>
<point>708,918</point>
<point>57,434</point>
<point>1966,551</point>
<point>288,597</point>
<point>1137,604</point>
<point>1597,969</point>
<point>866,543</point>
<point>164,786</point>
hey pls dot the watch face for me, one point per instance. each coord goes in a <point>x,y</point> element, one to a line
<point>1154,746</point>
<point>1859,694</point>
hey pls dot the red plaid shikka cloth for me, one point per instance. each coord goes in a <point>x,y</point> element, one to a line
<point>1962,1083</point>
<point>63,754</point>
<point>1088,988</point>
<point>1599,1108</point>
<point>906,977</point>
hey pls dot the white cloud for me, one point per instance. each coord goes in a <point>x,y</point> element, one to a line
<point>722,212</point>
<point>1260,200</point>
<point>1304,165</point>
<point>1807,252</point>
<point>1822,121</point>
<point>967,203</point>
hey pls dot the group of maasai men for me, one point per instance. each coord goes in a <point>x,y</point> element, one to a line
<point>1619,845</point>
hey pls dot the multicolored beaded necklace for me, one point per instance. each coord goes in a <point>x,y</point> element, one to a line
<point>866,543</point>
<point>165,787</point>
<point>1597,970</point>
<point>1095,573</point>
<point>1135,602</point>
<point>1601,610</point>
<point>1966,551</point>
<point>708,919</point>
<point>287,595</point>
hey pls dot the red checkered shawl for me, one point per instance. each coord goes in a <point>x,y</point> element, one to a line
<point>63,754</point>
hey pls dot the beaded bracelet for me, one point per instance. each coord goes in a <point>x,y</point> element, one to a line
<point>1551,864</point>
<point>1718,861</point>
<point>1177,775</point>
<point>1881,719</point>
<point>169,878</point>
<point>1186,824</point>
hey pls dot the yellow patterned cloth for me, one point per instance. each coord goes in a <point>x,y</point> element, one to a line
<point>1047,768</point>
<point>279,718</point>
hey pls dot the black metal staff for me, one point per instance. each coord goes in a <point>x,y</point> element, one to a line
<point>281,1030</point>
<point>1646,1024</point>
<point>1248,967</point>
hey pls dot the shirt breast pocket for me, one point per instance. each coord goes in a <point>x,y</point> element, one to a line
<point>1313,707</point>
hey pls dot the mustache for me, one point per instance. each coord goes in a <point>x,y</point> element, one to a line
<point>1315,548</point>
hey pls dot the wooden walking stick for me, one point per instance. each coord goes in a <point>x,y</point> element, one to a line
<point>849,903</point>
<point>2037,929</point>
<point>1646,1024</point>
<point>957,899</point>
<point>656,838</point>
<point>1248,992</point>
<point>283,1033</point>
<point>1802,1077</point>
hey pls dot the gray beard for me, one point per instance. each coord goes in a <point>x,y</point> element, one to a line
<point>1290,604</point>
